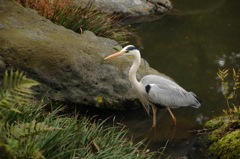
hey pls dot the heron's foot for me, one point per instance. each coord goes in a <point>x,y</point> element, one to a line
<point>154,125</point>
<point>174,121</point>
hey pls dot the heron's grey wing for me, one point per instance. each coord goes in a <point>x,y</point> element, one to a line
<point>162,81</point>
<point>163,91</point>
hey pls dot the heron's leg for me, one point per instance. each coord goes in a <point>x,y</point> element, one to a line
<point>154,111</point>
<point>173,117</point>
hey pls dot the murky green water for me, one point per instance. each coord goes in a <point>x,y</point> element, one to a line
<point>189,45</point>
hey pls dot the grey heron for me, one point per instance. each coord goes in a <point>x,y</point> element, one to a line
<point>155,90</point>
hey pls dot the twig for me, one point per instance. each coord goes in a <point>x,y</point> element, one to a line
<point>199,131</point>
<point>164,148</point>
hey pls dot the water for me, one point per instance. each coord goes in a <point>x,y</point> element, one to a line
<point>189,45</point>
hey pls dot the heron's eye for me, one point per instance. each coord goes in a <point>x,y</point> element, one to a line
<point>130,48</point>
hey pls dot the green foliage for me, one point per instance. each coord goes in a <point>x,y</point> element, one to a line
<point>235,110</point>
<point>230,88</point>
<point>222,74</point>
<point>81,15</point>
<point>38,133</point>
<point>15,90</point>
<point>15,96</point>
<point>24,130</point>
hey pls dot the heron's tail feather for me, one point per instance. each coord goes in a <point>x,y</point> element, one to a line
<point>197,99</point>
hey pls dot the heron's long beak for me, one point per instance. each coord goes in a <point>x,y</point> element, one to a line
<point>114,55</point>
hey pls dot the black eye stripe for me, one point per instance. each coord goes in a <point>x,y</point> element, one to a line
<point>130,48</point>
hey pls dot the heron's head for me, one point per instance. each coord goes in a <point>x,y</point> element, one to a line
<point>128,50</point>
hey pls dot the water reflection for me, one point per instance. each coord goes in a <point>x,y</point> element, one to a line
<point>231,60</point>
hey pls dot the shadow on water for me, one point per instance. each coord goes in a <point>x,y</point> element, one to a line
<point>179,139</point>
<point>189,45</point>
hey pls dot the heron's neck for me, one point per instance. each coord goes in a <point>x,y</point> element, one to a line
<point>134,68</point>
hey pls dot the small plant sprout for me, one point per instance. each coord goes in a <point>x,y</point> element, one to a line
<point>230,88</point>
<point>236,79</point>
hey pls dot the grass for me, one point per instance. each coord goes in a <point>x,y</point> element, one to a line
<point>30,130</point>
<point>81,15</point>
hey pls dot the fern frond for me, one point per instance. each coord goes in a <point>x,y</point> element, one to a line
<point>16,80</point>
<point>236,79</point>
<point>23,149</point>
<point>222,74</point>
<point>31,129</point>
<point>16,90</point>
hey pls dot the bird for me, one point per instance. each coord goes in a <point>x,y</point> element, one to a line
<point>156,91</point>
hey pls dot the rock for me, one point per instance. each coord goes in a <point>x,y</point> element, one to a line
<point>227,146</point>
<point>136,10</point>
<point>223,140</point>
<point>69,66</point>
